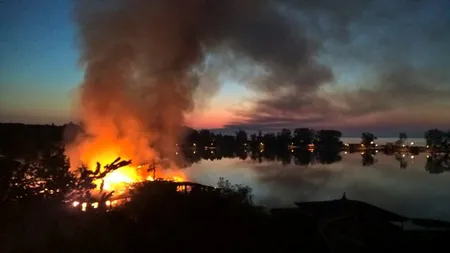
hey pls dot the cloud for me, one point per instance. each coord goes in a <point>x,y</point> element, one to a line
<point>401,51</point>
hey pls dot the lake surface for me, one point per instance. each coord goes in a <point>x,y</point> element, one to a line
<point>411,191</point>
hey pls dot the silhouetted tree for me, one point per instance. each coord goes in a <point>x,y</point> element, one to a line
<point>402,136</point>
<point>328,138</point>
<point>303,136</point>
<point>241,138</point>
<point>438,139</point>
<point>46,178</point>
<point>240,193</point>
<point>368,139</point>
<point>284,138</point>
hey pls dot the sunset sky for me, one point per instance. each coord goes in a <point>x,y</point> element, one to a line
<point>390,67</point>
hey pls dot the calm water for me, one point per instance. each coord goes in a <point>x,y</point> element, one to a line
<point>410,191</point>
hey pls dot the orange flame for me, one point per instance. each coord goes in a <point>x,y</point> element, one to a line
<point>105,151</point>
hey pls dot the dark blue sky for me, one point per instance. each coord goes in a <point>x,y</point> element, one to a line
<point>38,67</point>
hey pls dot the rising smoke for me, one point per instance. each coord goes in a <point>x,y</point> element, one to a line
<point>145,62</point>
<point>148,62</point>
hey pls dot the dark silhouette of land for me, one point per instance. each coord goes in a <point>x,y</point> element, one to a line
<point>38,192</point>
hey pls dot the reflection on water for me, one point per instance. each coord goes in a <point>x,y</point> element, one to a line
<point>415,185</point>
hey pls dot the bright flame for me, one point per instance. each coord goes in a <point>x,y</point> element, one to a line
<point>120,179</point>
<point>106,138</point>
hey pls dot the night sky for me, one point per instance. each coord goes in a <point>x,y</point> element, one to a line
<point>387,65</point>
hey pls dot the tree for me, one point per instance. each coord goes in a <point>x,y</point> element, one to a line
<point>328,137</point>
<point>436,138</point>
<point>303,136</point>
<point>240,193</point>
<point>402,138</point>
<point>205,137</point>
<point>368,139</point>
<point>46,178</point>
<point>241,137</point>
<point>284,137</point>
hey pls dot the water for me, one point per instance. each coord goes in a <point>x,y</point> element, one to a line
<point>410,191</point>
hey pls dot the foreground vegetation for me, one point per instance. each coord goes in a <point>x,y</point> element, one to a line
<point>35,217</point>
<point>36,190</point>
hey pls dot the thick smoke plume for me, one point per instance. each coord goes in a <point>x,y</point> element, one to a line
<point>146,61</point>
<point>149,62</point>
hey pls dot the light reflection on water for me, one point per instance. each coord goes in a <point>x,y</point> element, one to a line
<point>410,191</point>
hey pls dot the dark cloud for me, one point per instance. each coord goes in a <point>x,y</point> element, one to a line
<point>402,50</point>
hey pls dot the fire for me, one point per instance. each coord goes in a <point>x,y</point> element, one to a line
<point>116,180</point>
<point>119,180</point>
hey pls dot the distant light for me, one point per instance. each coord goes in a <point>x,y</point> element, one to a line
<point>94,205</point>
<point>362,145</point>
<point>403,155</point>
<point>403,145</point>
<point>176,144</point>
<point>376,145</point>
<point>262,144</point>
<point>75,203</point>
<point>371,142</point>
<point>108,203</point>
<point>428,146</point>
<point>428,156</point>
<point>83,206</point>
<point>193,152</point>
<point>412,157</point>
<point>362,153</point>
<point>292,143</point>
<point>376,151</point>
<point>292,151</point>
<point>212,144</point>
<point>212,152</point>
<point>176,153</point>
<point>412,143</point>
<point>345,152</point>
<point>346,144</point>
<point>195,144</point>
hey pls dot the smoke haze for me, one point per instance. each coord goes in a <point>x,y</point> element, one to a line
<point>148,63</point>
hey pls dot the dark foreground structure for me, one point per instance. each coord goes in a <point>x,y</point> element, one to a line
<point>354,226</point>
<point>166,217</point>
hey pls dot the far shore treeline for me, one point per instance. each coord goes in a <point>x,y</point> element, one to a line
<point>20,139</point>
